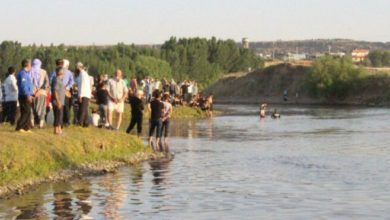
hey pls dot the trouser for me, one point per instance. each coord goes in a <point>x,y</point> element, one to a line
<point>165,128</point>
<point>135,120</point>
<point>47,113</point>
<point>10,111</point>
<point>24,121</point>
<point>76,112</point>
<point>66,111</point>
<point>39,108</point>
<point>58,115</point>
<point>84,120</point>
<point>155,124</point>
<point>103,112</point>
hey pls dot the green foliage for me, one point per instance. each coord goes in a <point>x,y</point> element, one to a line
<point>206,60</point>
<point>193,58</point>
<point>376,58</point>
<point>386,58</point>
<point>332,77</point>
<point>150,66</point>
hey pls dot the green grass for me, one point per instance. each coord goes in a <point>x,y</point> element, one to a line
<point>25,156</point>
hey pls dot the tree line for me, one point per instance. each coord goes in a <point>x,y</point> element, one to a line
<point>334,78</point>
<point>378,58</point>
<point>203,60</point>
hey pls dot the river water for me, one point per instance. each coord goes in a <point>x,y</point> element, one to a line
<point>313,163</point>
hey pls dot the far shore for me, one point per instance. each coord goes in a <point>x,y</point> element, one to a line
<point>300,101</point>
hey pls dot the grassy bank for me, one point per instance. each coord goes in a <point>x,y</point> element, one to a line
<point>27,158</point>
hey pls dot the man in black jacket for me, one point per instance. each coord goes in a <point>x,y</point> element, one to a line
<point>137,108</point>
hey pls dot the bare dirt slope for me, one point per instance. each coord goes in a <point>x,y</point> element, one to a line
<point>268,85</point>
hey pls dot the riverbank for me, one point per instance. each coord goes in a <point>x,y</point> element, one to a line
<point>268,85</point>
<point>28,159</point>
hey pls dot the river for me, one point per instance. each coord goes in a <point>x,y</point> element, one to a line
<point>313,163</point>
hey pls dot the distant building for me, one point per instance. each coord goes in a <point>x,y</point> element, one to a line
<point>337,54</point>
<point>359,55</point>
<point>314,56</point>
<point>294,56</point>
<point>245,43</point>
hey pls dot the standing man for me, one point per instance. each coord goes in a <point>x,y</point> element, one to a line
<point>156,108</point>
<point>148,90</point>
<point>25,87</point>
<point>166,120</point>
<point>68,81</point>
<point>11,96</point>
<point>84,92</point>
<point>58,91</point>
<point>137,108</point>
<point>41,88</point>
<point>102,100</point>
<point>184,91</point>
<point>117,93</point>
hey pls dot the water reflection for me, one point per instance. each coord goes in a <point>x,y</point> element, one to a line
<point>82,191</point>
<point>117,194</point>
<point>160,169</point>
<point>62,204</point>
<point>33,210</point>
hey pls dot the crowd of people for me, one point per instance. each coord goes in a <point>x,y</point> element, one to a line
<point>29,95</point>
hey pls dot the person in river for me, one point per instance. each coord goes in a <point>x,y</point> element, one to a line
<point>166,120</point>
<point>156,108</point>
<point>58,100</point>
<point>209,104</point>
<point>275,114</point>
<point>137,108</point>
<point>263,110</point>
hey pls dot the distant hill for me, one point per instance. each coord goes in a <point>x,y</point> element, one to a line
<point>268,85</point>
<point>316,46</point>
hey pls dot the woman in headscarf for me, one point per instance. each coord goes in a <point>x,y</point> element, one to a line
<point>41,87</point>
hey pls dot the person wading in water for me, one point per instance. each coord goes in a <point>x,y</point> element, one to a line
<point>166,120</point>
<point>156,108</point>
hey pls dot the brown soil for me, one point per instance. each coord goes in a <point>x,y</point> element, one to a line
<point>268,85</point>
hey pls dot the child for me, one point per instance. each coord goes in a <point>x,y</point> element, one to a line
<point>95,118</point>
<point>263,110</point>
<point>275,114</point>
<point>58,100</point>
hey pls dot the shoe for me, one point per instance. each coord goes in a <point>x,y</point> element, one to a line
<point>29,131</point>
<point>21,131</point>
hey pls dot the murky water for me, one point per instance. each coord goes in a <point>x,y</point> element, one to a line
<point>313,163</point>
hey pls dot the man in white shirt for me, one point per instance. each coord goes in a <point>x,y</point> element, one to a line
<point>11,96</point>
<point>168,109</point>
<point>117,93</point>
<point>84,93</point>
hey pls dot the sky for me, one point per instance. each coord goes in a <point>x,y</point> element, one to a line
<point>105,22</point>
